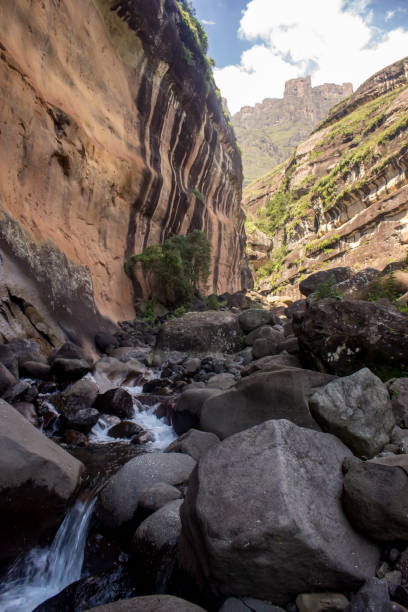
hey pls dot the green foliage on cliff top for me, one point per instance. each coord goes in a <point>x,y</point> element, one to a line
<point>175,269</point>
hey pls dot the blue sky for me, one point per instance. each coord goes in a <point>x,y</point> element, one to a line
<point>259,44</point>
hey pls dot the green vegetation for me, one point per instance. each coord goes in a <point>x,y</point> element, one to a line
<point>198,195</point>
<point>274,265</point>
<point>318,245</point>
<point>175,269</point>
<point>327,289</point>
<point>188,14</point>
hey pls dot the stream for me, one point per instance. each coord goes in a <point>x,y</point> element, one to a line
<point>45,572</point>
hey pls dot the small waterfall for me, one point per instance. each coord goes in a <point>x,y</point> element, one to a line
<point>44,572</point>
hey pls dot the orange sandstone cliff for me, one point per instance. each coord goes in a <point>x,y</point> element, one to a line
<point>111,139</point>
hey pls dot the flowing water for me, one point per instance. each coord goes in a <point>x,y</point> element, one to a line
<point>163,434</point>
<point>44,572</point>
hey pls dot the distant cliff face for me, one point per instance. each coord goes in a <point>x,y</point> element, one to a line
<point>111,138</point>
<point>268,132</point>
<point>342,198</point>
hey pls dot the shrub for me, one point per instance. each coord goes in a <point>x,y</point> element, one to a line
<point>327,289</point>
<point>175,269</point>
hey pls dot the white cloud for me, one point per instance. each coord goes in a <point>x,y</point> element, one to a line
<point>205,22</point>
<point>333,40</point>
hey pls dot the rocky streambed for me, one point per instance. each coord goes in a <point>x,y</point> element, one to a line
<point>230,460</point>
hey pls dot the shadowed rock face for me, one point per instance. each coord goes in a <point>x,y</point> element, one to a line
<point>105,133</point>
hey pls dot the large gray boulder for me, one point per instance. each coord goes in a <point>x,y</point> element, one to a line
<point>375,497</point>
<point>37,480</point>
<point>283,394</point>
<point>194,443</point>
<point>372,597</point>
<point>357,409</point>
<point>187,409</point>
<point>256,317</point>
<point>262,517</point>
<point>266,331</point>
<point>119,499</point>
<point>202,332</point>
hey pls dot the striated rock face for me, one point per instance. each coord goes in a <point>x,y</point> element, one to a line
<point>110,140</point>
<point>342,198</point>
<point>268,132</point>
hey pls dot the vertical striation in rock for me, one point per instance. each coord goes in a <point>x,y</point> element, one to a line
<point>111,139</point>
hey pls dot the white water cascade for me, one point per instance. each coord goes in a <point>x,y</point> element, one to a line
<point>44,572</point>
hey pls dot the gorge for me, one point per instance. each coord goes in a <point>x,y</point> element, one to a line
<point>172,437</point>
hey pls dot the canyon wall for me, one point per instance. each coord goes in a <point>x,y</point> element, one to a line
<point>342,198</point>
<point>268,132</point>
<point>111,138</point>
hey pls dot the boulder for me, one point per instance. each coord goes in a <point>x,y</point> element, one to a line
<point>125,429</point>
<point>266,346</point>
<point>69,350</point>
<point>192,365</point>
<point>375,499</point>
<point>309,285</point>
<point>120,497</point>
<point>194,443</point>
<point>7,379</point>
<point>221,381</point>
<point>372,597</point>
<point>35,369</point>
<point>271,363</point>
<point>37,480</point>
<point>266,331</point>
<point>69,369</point>
<point>78,415</point>
<point>257,317</point>
<point>105,342</point>
<point>157,496</point>
<point>399,396</point>
<point>187,409</point>
<point>342,337</point>
<point>256,508</point>
<point>248,604</point>
<point>201,332</point>
<point>321,602</point>
<point>150,603</point>
<point>110,373</point>
<point>85,388</point>
<point>76,438</point>
<point>282,394</point>
<point>357,409</point>
<point>290,345</point>
<point>154,546</point>
<point>117,402</point>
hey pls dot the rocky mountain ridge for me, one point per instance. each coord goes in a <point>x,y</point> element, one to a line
<point>268,132</point>
<point>112,138</point>
<point>342,197</point>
